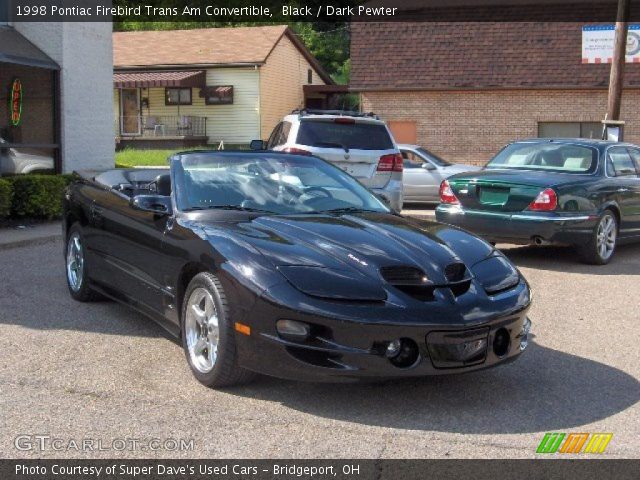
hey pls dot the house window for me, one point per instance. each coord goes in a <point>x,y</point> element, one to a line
<point>569,129</point>
<point>309,76</point>
<point>218,95</point>
<point>177,96</point>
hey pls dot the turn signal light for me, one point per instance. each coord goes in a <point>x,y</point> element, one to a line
<point>446,193</point>
<point>546,200</point>
<point>297,151</point>
<point>390,163</point>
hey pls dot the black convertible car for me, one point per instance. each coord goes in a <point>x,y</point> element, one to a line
<point>285,265</point>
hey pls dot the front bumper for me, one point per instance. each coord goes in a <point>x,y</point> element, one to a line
<point>354,349</point>
<point>521,227</point>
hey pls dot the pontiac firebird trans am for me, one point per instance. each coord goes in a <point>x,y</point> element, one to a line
<point>285,265</point>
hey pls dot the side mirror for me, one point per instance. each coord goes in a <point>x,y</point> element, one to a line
<point>158,204</point>
<point>428,166</point>
<point>257,145</point>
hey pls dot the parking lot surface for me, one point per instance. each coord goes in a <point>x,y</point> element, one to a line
<point>102,372</point>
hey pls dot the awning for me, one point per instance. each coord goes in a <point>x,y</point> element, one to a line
<point>14,48</point>
<point>159,79</point>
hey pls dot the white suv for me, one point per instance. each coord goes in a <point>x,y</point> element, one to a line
<point>358,143</point>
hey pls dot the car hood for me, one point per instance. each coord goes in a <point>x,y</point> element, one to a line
<point>361,244</point>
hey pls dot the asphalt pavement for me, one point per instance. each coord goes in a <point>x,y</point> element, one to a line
<point>101,372</point>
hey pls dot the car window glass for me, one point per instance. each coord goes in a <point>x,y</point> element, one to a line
<point>621,163</point>
<point>439,161</point>
<point>411,160</point>
<point>344,134</point>
<point>635,155</point>
<point>566,158</point>
<point>284,133</point>
<point>274,136</point>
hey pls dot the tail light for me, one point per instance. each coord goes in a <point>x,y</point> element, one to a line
<point>446,193</point>
<point>297,151</point>
<point>546,200</point>
<point>390,163</point>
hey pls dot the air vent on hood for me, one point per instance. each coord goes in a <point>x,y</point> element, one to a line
<point>403,275</point>
<point>454,272</point>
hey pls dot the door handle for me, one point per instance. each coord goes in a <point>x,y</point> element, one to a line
<point>622,190</point>
<point>96,212</point>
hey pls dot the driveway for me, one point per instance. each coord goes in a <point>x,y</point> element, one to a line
<point>100,371</point>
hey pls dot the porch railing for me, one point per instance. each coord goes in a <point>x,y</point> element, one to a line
<point>151,126</point>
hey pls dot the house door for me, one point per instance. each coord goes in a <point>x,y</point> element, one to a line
<point>130,111</point>
<point>403,131</point>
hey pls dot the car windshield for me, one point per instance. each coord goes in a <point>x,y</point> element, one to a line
<point>567,158</point>
<point>340,133</point>
<point>441,162</point>
<point>267,183</point>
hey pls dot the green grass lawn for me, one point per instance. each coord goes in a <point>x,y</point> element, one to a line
<point>131,157</point>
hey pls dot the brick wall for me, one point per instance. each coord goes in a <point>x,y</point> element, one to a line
<point>471,126</point>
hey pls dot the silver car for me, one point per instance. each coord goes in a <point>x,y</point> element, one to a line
<point>14,161</point>
<point>359,143</point>
<point>424,172</point>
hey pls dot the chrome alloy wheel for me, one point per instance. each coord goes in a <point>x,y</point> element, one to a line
<point>606,236</point>
<point>202,330</point>
<point>75,262</point>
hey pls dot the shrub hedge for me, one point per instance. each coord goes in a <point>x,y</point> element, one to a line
<point>34,196</point>
<point>6,195</point>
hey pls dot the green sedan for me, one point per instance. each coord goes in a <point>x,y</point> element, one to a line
<point>584,193</point>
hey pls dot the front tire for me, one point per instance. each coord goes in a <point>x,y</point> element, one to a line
<point>602,244</point>
<point>208,336</point>
<point>76,266</point>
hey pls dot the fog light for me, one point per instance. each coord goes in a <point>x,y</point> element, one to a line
<point>393,349</point>
<point>524,335</point>
<point>408,354</point>
<point>292,330</point>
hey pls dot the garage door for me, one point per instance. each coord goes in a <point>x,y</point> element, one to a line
<point>403,131</point>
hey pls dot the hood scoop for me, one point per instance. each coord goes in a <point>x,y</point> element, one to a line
<point>415,283</point>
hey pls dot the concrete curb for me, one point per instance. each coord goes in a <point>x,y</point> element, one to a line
<point>28,242</point>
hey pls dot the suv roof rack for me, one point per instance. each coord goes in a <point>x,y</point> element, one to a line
<point>346,113</point>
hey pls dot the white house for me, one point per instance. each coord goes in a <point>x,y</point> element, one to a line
<point>204,86</point>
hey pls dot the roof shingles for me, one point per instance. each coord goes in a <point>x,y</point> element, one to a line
<point>447,55</point>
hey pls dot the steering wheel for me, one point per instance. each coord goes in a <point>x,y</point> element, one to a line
<point>322,190</point>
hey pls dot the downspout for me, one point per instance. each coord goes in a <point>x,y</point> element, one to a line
<point>259,102</point>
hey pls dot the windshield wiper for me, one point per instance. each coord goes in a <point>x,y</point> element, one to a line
<point>348,210</point>
<point>231,207</point>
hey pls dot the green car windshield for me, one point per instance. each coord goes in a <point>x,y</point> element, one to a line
<point>267,183</point>
<point>558,157</point>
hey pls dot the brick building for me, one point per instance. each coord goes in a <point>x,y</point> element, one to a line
<point>463,90</point>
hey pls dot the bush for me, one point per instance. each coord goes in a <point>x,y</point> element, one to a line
<point>38,196</point>
<point>6,194</point>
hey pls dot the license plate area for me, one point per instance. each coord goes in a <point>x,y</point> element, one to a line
<point>453,349</point>
<point>494,195</point>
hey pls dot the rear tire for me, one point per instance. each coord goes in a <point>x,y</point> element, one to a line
<point>208,336</point>
<point>602,244</point>
<point>76,266</point>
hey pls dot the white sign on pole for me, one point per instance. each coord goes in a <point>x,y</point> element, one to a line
<point>597,43</point>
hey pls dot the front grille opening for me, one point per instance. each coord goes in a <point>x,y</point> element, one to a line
<point>403,275</point>
<point>315,357</point>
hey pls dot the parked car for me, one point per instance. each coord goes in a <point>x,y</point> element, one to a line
<point>285,265</point>
<point>584,193</point>
<point>424,172</point>
<point>358,143</point>
<point>24,160</point>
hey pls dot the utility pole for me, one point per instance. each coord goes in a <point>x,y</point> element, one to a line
<point>619,57</point>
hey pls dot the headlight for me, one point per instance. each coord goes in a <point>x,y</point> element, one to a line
<point>496,274</point>
<point>333,283</point>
